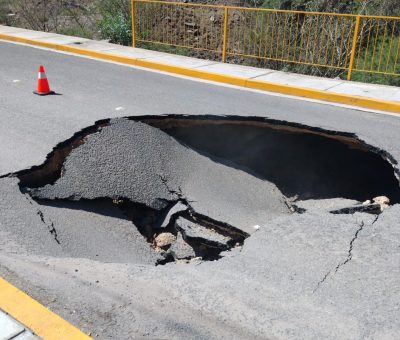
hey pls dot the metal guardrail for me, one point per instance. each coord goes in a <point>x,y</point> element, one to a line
<point>345,42</point>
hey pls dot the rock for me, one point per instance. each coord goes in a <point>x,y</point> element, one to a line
<point>181,250</point>
<point>164,240</point>
<point>383,201</point>
<point>197,232</point>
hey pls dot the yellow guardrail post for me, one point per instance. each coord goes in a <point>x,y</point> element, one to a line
<point>133,23</point>
<point>225,37</point>
<point>353,49</point>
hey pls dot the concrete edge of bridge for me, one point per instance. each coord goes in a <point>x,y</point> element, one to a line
<point>34,316</point>
<point>248,76</point>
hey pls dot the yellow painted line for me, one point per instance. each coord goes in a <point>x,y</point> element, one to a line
<point>364,102</point>
<point>36,317</point>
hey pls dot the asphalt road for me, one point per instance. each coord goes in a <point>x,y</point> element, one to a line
<point>93,90</point>
<point>308,276</point>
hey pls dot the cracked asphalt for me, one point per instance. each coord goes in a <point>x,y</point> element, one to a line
<point>314,275</point>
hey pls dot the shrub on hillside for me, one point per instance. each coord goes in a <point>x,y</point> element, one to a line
<point>115,22</point>
<point>117,29</point>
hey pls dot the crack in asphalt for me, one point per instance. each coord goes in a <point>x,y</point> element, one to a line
<point>179,194</point>
<point>349,257</point>
<point>50,226</point>
<point>376,219</point>
<point>351,246</point>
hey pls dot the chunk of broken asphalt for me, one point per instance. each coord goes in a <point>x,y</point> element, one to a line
<point>194,231</point>
<point>181,250</point>
<point>178,207</point>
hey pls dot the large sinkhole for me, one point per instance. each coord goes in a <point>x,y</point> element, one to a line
<point>305,163</point>
<point>195,186</point>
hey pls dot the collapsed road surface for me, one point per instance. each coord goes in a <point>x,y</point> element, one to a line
<point>149,197</point>
<point>188,205</point>
<point>154,179</point>
<point>95,232</point>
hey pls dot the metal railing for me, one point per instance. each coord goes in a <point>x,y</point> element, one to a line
<point>344,42</point>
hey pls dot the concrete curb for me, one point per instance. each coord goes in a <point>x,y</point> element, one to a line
<point>36,317</point>
<point>333,97</point>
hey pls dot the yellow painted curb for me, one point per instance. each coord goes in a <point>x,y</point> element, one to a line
<point>365,102</point>
<point>36,317</point>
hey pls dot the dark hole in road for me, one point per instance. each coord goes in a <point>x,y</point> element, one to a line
<point>304,162</point>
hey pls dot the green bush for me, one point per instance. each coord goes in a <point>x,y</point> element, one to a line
<point>117,29</point>
<point>115,24</point>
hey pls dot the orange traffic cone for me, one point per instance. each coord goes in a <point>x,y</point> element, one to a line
<point>43,88</point>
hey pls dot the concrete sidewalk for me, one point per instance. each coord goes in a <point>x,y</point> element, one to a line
<point>305,86</point>
<point>12,329</point>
